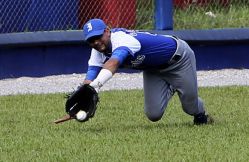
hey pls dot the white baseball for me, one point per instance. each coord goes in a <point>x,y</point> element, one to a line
<point>81,115</point>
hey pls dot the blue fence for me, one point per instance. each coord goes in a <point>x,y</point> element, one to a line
<point>52,53</point>
<point>39,54</point>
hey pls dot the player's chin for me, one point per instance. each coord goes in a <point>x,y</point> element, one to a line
<point>101,48</point>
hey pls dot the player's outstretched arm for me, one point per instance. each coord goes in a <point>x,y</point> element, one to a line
<point>110,67</point>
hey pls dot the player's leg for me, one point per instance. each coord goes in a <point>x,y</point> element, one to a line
<point>188,91</point>
<point>157,93</point>
<point>182,75</point>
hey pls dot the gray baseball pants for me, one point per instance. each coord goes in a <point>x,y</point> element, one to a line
<point>161,84</point>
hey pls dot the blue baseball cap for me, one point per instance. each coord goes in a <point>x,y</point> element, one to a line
<point>93,28</point>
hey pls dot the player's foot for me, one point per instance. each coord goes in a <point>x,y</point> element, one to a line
<point>203,119</point>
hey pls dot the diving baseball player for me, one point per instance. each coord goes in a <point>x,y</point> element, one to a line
<point>168,65</point>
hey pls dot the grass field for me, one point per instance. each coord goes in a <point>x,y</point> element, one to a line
<point>235,16</point>
<point>194,17</point>
<point>121,132</point>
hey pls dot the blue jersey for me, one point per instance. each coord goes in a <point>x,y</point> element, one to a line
<point>133,49</point>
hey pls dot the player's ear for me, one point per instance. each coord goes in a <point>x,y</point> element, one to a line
<point>109,26</point>
<point>108,30</point>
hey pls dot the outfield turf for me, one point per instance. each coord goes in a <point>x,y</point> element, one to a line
<point>120,131</point>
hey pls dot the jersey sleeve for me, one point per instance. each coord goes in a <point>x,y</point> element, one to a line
<point>96,59</point>
<point>120,54</point>
<point>122,40</point>
<point>92,72</point>
<point>95,64</point>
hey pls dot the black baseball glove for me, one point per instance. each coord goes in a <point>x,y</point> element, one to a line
<point>84,98</point>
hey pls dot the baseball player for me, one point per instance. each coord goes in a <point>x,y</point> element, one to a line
<point>168,65</point>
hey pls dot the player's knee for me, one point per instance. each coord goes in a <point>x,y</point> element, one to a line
<point>154,116</point>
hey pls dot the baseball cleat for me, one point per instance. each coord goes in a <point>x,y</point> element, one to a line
<point>203,119</point>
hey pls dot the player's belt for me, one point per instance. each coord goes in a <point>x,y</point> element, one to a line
<point>173,60</point>
<point>176,56</point>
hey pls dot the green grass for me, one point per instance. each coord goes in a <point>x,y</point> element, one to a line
<point>121,132</point>
<point>193,16</point>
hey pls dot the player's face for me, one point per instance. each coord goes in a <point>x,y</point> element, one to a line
<point>101,42</point>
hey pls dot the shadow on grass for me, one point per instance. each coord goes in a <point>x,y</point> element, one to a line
<point>135,127</point>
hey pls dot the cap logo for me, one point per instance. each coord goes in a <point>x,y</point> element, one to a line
<point>89,27</point>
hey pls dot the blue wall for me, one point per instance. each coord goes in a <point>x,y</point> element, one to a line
<point>223,56</point>
<point>52,53</point>
<point>43,60</point>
